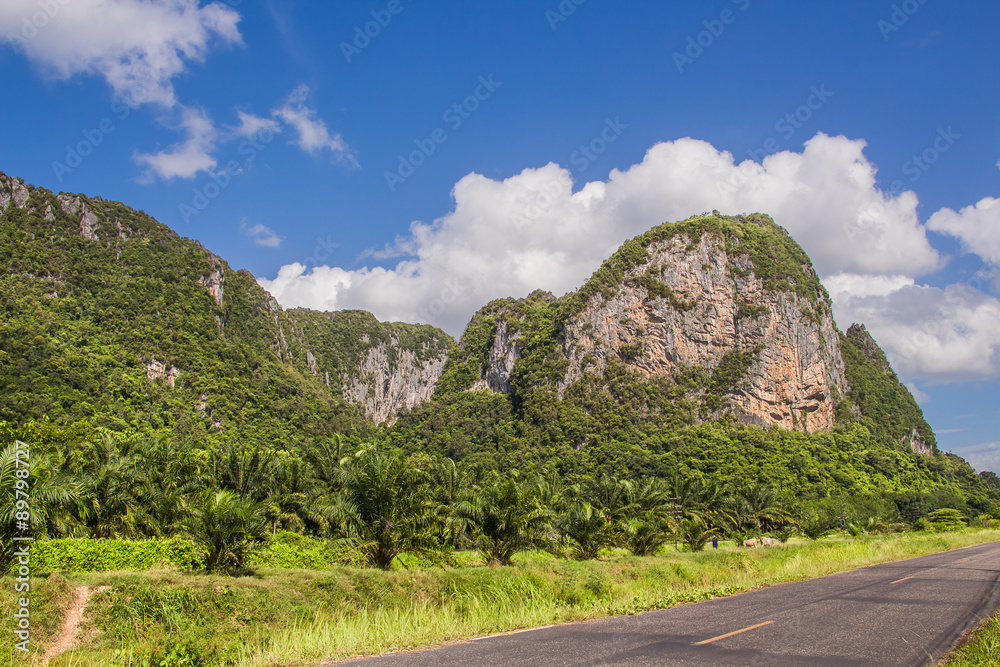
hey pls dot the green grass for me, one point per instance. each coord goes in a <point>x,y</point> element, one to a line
<point>981,649</point>
<point>305,617</point>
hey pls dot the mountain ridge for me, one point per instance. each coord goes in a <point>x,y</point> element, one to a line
<point>726,310</point>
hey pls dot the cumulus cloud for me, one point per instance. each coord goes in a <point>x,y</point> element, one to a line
<point>919,396</point>
<point>985,456</point>
<point>935,334</point>
<point>137,46</point>
<point>313,135</point>
<point>188,157</point>
<point>506,238</point>
<point>261,235</point>
<point>977,227</point>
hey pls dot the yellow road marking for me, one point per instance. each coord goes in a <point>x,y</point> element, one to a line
<point>730,634</point>
<point>903,579</point>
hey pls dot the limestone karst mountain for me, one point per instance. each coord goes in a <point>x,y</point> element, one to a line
<point>113,317</point>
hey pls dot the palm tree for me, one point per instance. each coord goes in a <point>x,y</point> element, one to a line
<point>48,495</point>
<point>651,510</point>
<point>695,533</point>
<point>227,527</point>
<point>757,508</point>
<point>113,484</point>
<point>587,528</point>
<point>646,534</point>
<point>506,517</point>
<point>384,507</point>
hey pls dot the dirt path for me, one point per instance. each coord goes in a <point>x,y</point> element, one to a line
<point>71,624</point>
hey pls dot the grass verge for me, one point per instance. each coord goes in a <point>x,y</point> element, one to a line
<point>980,649</point>
<point>306,617</point>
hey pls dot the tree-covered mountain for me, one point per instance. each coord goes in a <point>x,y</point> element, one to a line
<point>112,317</point>
<point>704,349</point>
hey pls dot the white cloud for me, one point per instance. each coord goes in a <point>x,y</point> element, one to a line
<point>137,46</point>
<point>506,238</point>
<point>261,235</point>
<point>846,285</point>
<point>938,335</point>
<point>313,135</point>
<point>187,158</point>
<point>251,125</point>
<point>985,456</point>
<point>978,228</point>
<point>919,396</point>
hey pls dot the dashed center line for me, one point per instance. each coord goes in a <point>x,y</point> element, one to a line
<point>730,634</point>
<point>899,580</point>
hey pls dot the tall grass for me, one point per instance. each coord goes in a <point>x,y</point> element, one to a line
<point>981,649</point>
<point>301,617</point>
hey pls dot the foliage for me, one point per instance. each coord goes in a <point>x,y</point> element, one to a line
<point>506,517</point>
<point>103,554</point>
<point>887,408</point>
<point>385,508</point>
<point>226,527</point>
<point>695,533</point>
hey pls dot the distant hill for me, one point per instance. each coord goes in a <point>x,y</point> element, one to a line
<point>112,317</point>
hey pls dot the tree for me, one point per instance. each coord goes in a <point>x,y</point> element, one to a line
<point>587,528</point>
<point>506,517</point>
<point>695,533</point>
<point>227,527</point>
<point>384,507</point>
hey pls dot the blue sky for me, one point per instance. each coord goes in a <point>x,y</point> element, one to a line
<point>579,125</point>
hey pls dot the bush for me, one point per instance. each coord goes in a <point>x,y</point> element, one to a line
<point>101,555</point>
<point>946,519</point>
<point>293,551</point>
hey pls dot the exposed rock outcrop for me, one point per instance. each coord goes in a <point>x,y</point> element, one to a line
<point>215,281</point>
<point>504,352</point>
<point>710,312</point>
<point>13,190</point>
<point>689,304</point>
<point>385,386</point>
<point>157,369</point>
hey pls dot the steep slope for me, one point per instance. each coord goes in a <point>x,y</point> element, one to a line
<point>886,405</point>
<point>110,316</point>
<point>732,305</point>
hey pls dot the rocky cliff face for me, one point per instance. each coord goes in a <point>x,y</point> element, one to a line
<point>796,374</point>
<point>385,384</point>
<point>695,300</point>
<point>382,368</point>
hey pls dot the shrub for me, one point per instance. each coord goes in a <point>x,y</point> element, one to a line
<point>101,555</point>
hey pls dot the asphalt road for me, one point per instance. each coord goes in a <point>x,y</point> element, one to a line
<point>905,613</point>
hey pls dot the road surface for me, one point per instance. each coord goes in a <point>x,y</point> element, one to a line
<point>905,613</point>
